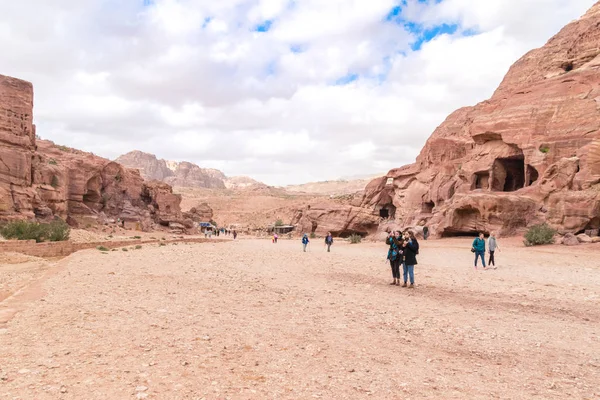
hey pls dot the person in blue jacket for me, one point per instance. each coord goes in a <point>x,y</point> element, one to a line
<point>305,241</point>
<point>479,250</point>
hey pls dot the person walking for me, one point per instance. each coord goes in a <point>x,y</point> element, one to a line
<point>234,235</point>
<point>478,248</point>
<point>492,247</point>
<point>275,237</point>
<point>411,249</point>
<point>395,241</point>
<point>328,241</point>
<point>305,242</point>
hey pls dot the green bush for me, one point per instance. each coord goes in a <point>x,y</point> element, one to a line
<point>544,149</point>
<point>58,231</point>
<point>52,161</point>
<point>139,246</point>
<point>54,231</point>
<point>355,238</point>
<point>279,223</point>
<point>137,237</point>
<point>124,249</point>
<point>539,234</point>
<point>102,248</point>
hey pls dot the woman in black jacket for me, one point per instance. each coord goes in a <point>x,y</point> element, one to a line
<point>394,240</point>
<point>411,249</point>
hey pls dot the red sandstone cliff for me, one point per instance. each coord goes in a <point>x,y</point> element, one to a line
<point>42,180</point>
<point>529,154</point>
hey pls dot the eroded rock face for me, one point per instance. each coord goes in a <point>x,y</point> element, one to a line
<point>341,220</point>
<point>184,174</point>
<point>42,180</point>
<point>200,213</point>
<point>529,154</point>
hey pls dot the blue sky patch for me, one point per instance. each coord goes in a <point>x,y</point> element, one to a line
<point>264,26</point>
<point>344,80</point>
<point>428,34</point>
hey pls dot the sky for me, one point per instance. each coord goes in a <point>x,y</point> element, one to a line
<point>284,91</point>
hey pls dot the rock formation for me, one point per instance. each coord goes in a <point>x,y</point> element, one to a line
<point>183,174</point>
<point>200,213</point>
<point>341,220</point>
<point>39,179</point>
<point>529,154</point>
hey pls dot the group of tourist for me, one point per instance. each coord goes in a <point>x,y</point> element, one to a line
<point>403,250</point>
<point>478,248</point>
<point>328,241</point>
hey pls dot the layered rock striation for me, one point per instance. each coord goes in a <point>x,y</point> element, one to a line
<point>529,154</point>
<point>41,180</point>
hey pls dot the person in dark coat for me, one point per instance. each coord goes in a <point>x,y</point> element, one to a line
<point>411,249</point>
<point>395,241</point>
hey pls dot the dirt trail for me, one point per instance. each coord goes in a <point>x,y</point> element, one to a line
<point>254,320</point>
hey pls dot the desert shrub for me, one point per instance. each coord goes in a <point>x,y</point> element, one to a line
<point>137,237</point>
<point>544,149</point>
<point>162,244</point>
<point>58,231</point>
<point>124,249</point>
<point>102,248</point>
<point>279,223</point>
<point>63,148</point>
<point>313,235</point>
<point>539,234</point>
<point>52,161</point>
<point>139,246</point>
<point>213,222</point>
<point>355,238</point>
<point>54,231</point>
<point>24,230</point>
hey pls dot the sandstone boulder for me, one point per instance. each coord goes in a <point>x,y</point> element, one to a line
<point>583,238</point>
<point>570,240</point>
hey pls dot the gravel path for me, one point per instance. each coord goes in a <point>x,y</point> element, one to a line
<point>254,320</point>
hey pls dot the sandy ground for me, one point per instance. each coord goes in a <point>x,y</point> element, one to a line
<point>254,320</point>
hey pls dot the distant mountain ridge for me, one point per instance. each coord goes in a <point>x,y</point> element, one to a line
<point>183,173</point>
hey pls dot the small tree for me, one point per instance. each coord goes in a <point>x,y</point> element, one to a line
<point>539,234</point>
<point>355,238</point>
<point>279,223</point>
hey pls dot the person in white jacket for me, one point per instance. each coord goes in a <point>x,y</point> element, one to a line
<point>492,247</point>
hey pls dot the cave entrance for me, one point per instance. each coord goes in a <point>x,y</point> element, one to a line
<point>388,211</point>
<point>481,180</point>
<point>532,175</point>
<point>509,174</point>
<point>93,197</point>
<point>314,227</point>
<point>465,222</point>
<point>427,207</point>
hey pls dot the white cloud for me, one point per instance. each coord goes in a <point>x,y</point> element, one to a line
<point>193,80</point>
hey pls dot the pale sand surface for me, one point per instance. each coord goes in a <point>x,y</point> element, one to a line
<point>254,320</point>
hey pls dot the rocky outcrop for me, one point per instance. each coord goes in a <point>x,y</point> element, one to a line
<point>529,154</point>
<point>340,220</point>
<point>17,147</point>
<point>39,179</point>
<point>150,167</point>
<point>183,174</point>
<point>200,213</point>
<point>187,174</point>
